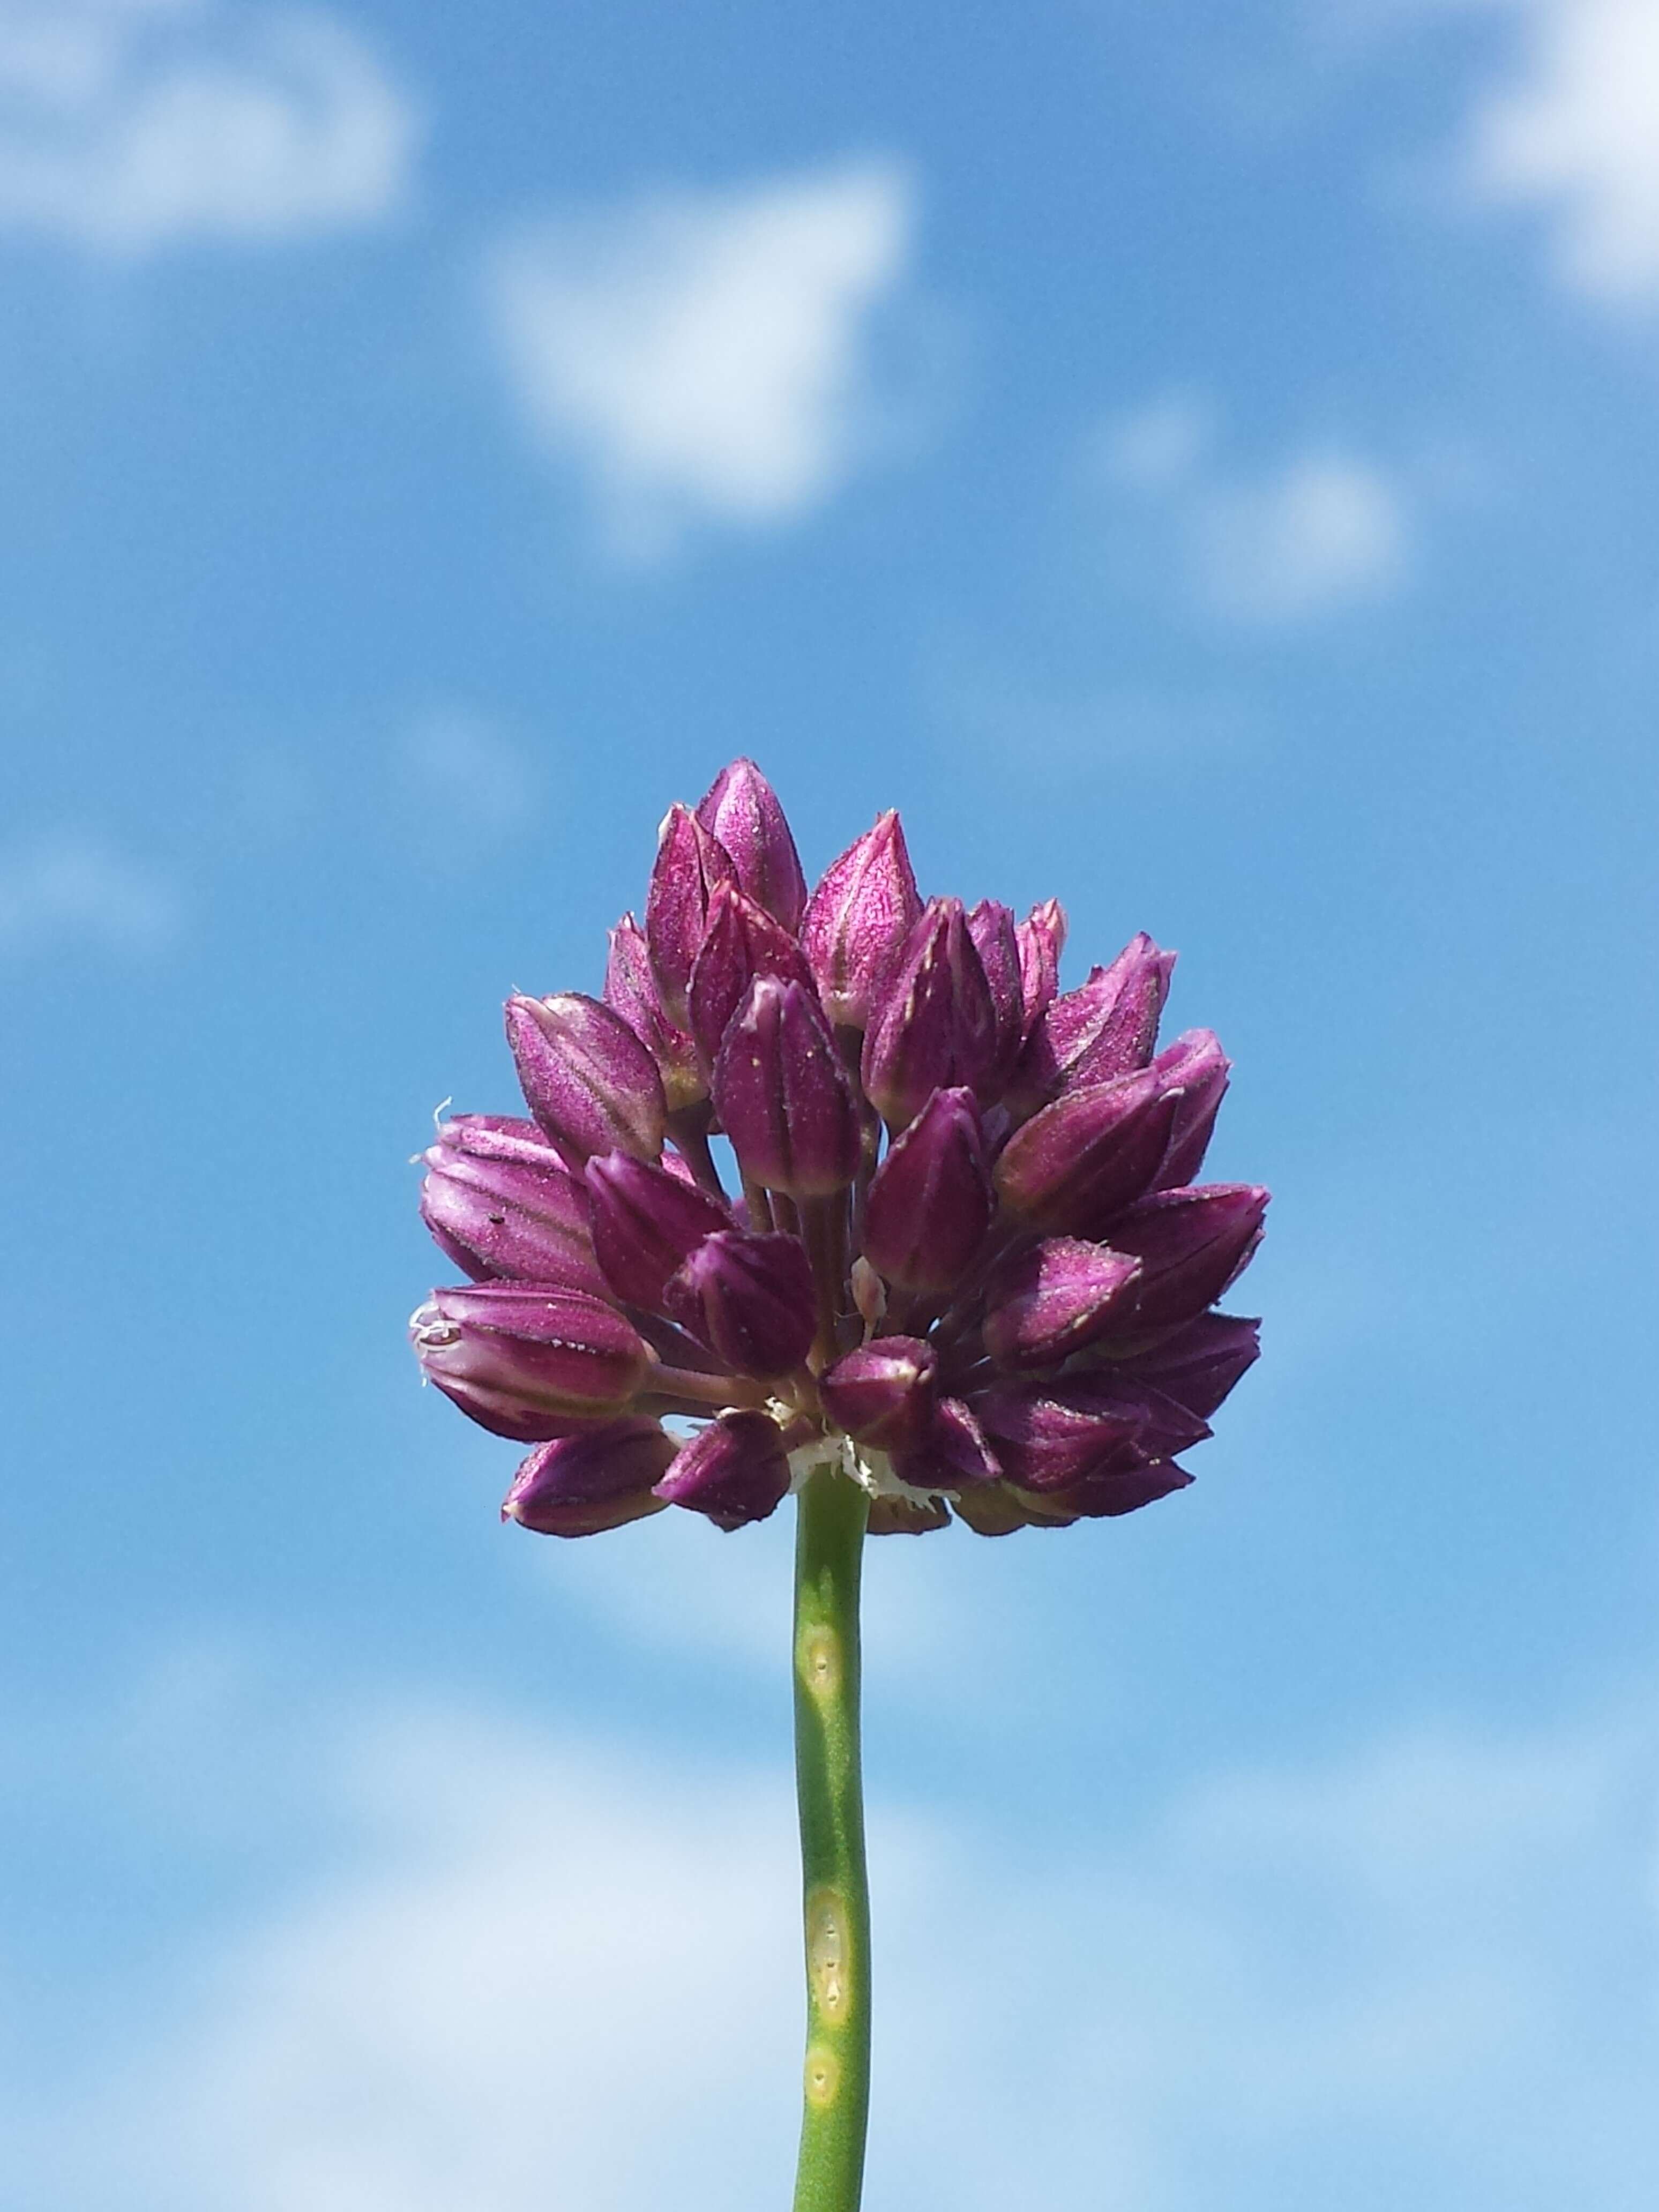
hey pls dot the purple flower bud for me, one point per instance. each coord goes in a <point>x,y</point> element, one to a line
<point>750,1298</point>
<point>741,809</point>
<point>742,941</point>
<point>499,1202</point>
<point>783,1095</point>
<point>630,990</point>
<point>996,940</point>
<point>997,1509</point>
<point>1199,1365</point>
<point>1198,1065</point>
<point>525,1360</point>
<point>1083,1159</point>
<point>1110,1491</point>
<point>931,1203</point>
<point>857,919</point>
<point>932,1024</point>
<point>1191,1245</point>
<point>953,1453</point>
<point>690,863</point>
<point>736,1470</point>
<point>1055,1299</point>
<point>589,1081</point>
<point>1048,1435</point>
<point>578,1485</point>
<point>1040,938</point>
<point>646,1223</point>
<point>1106,1027</point>
<point>882,1393</point>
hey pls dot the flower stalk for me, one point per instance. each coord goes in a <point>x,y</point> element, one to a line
<point>834,1888</point>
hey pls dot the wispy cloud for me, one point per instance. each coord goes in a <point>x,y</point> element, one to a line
<point>1319,531</point>
<point>74,889</point>
<point>558,1976</point>
<point>1571,130</point>
<point>467,787</point>
<point>704,357</point>
<point>130,126</point>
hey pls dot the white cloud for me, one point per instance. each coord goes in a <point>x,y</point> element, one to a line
<point>705,354</point>
<point>75,889</point>
<point>1322,530</point>
<point>1424,1971</point>
<point>129,125</point>
<point>1325,531</point>
<point>1573,131</point>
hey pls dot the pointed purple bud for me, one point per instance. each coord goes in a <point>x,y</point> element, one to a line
<point>1199,1365</point>
<point>499,1202</point>
<point>741,809</point>
<point>525,1360</point>
<point>736,1470</point>
<point>1196,1063</point>
<point>690,863</point>
<point>882,1393</point>
<point>646,1223</point>
<point>783,1094</point>
<point>953,1455</point>
<point>932,1024</point>
<point>931,1201</point>
<point>1080,1161</point>
<point>996,940</point>
<point>630,990</point>
<point>750,1298</point>
<point>1106,1028</point>
<point>1055,1299</point>
<point>858,918</point>
<point>578,1485</point>
<point>1109,1492</point>
<point>1041,938</point>
<point>589,1081</point>
<point>1048,1435</point>
<point>742,941</point>
<point>1191,1244</point>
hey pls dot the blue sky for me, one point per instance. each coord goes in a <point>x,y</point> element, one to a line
<point>1201,462</point>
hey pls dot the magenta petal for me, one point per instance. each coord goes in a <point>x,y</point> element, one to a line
<point>598,1479</point>
<point>1191,1244</point>
<point>690,863</point>
<point>783,1094</point>
<point>750,1298</point>
<point>857,919</point>
<point>741,809</point>
<point>883,1392</point>
<point>528,1351</point>
<point>735,1471</point>
<point>1055,1299</point>
<point>589,1081</point>
<point>500,1201</point>
<point>930,1203</point>
<point>932,1023</point>
<point>742,941</point>
<point>646,1222</point>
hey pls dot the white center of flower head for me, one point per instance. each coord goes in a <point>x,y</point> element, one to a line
<point>872,1470</point>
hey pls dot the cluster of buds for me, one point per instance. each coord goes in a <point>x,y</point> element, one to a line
<point>966,1259</point>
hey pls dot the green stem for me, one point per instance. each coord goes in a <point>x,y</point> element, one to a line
<point>835,1892</point>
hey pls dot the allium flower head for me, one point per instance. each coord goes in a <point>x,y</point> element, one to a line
<point>966,1252</point>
